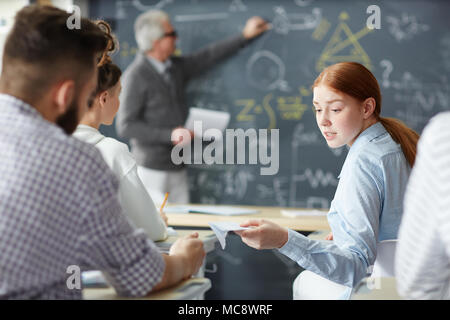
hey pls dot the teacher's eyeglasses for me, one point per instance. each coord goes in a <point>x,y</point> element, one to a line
<point>170,34</point>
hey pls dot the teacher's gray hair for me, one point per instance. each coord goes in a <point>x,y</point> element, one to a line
<point>148,28</point>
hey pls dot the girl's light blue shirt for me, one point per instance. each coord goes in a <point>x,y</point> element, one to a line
<point>366,209</point>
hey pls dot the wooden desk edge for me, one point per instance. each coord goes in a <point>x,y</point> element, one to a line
<point>306,223</point>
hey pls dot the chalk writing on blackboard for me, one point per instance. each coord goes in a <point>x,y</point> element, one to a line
<point>121,6</point>
<point>344,46</point>
<point>303,3</point>
<point>321,30</point>
<point>237,6</point>
<point>405,27</point>
<point>285,22</point>
<point>252,110</point>
<point>266,71</point>
<point>419,98</point>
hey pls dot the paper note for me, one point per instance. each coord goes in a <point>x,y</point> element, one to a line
<point>171,232</point>
<point>221,230</point>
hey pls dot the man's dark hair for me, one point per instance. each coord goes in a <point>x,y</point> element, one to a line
<point>41,49</point>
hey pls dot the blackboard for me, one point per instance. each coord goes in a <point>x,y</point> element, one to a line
<point>268,84</point>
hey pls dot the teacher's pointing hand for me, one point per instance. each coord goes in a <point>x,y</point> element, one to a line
<point>254,27</point>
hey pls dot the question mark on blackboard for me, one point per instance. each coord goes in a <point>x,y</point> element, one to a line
<point>388,65</point>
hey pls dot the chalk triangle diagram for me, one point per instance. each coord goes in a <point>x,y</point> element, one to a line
<point>344,46</point>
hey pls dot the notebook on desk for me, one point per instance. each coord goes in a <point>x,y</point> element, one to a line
<point>216,210</point>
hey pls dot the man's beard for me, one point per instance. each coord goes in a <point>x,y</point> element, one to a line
<point>69,120</point>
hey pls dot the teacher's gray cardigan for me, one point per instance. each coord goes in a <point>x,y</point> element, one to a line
<point>150,108</point>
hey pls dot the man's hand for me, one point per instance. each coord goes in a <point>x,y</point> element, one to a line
<point>329,236</point>
<point>191,250</point>
<point>181,135</point>
<point>254,27</point>
<point>265,235</point>
<point>184,260</point>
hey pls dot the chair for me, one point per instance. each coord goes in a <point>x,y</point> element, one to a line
<point>385,261</point>
<point>310,286</point>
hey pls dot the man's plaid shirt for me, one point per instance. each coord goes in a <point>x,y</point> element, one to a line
<point>59,207</point>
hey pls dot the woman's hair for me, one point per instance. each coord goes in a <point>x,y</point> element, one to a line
<point>148,28</point>
<point>108,76</point>
<point>112,43</point>
<point>357,81</point>
<point>108,72</point>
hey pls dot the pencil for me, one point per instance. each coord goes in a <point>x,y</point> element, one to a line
<point>164,202</point>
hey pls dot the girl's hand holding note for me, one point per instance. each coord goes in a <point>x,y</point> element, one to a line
<point>264,235</point>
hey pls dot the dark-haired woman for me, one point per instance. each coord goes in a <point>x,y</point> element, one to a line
<point>137,204</point>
